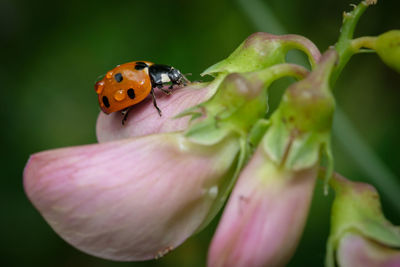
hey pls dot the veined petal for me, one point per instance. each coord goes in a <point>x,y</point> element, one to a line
<point>132,199</point>
<point>355,250</point>
<point>265,216</point>
<point>143,119</point>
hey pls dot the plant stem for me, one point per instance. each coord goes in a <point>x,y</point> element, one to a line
<point>364,42</point>
<point>344,45</point>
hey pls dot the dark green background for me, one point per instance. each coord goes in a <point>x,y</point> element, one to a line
<point>52,52</point>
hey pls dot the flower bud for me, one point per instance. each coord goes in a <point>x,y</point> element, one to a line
<point>265,215</point>
<point>388,48</point>
<point>300,126</point>
<point>308,105</point>
<point>360,234</point>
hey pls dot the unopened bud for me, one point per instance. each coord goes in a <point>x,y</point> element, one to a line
<point>388,48</point>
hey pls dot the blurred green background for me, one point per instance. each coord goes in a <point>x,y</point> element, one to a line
<point>52,52</point>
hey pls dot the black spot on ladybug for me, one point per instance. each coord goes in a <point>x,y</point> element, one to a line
<point>131,93</point>
<point>105,102</point>
<point>140,65</point>
<point>118,77</point>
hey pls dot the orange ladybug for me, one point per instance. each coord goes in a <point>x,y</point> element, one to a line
<point>130,83</point>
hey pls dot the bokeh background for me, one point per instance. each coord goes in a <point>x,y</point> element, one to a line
<point>52,52</point>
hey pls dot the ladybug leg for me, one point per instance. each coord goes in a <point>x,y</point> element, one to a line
<point>166,91</point>
<point>163,90</point>
<point>125,114</point>
<point>155,102</point>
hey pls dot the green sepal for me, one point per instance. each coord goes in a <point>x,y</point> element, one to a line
<point>207,132</point>
<point>291,149</point>
<point>305,151</point>
<point>246,59</point>
<point>276,140</point>
<point>257,132</point>
<point>237,104</point>
<point>262,50</point>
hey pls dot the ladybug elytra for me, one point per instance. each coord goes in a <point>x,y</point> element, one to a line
<point>130,83</point>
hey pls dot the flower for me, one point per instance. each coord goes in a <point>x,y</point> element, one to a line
<point>148,186</point>
<point>138,198</point>
<point>360,234</point>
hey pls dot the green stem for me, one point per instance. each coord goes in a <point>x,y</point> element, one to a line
<point>271,74</point>
<point>257,133</point>
<point>364,42</point>
<point>344,45</point>
<point>304,45</point>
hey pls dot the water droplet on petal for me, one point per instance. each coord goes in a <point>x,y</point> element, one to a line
<point>213,191</point>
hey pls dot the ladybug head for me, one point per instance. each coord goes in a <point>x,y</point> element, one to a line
<point>177,77</point>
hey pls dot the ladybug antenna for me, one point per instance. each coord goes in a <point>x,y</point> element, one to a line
<point>186,80</point>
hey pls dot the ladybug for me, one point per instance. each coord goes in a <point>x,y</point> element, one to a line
<point>130,83</point>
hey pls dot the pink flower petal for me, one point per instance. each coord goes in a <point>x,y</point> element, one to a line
<point>354,250</point>
<point>143,118</point>
<point>265,216</point>
<point>133,199</point>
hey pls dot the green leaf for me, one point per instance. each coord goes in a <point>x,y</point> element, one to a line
<point>304,151</point>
